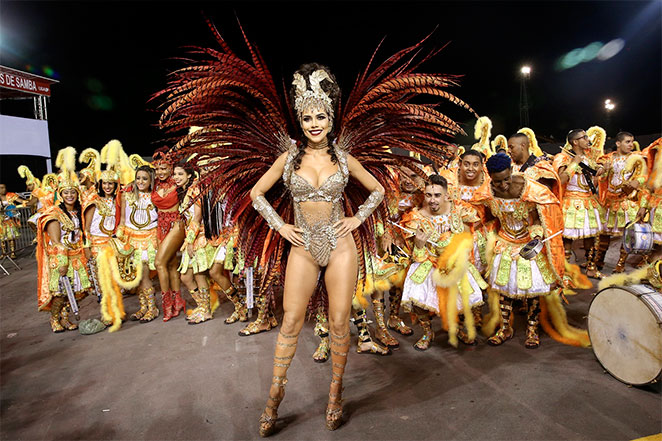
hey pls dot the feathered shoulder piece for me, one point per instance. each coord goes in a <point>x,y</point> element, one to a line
<point>246,122</point>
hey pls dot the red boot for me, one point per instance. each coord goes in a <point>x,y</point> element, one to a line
<point>178,304</point>
<point>167,305</point>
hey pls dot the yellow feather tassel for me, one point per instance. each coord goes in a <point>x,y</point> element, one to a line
<point>631,278</point>
<point>455,258</point>
<point>493,318</point>
<point>568,334</point>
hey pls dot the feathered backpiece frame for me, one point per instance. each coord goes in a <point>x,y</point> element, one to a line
<point>246,123</point>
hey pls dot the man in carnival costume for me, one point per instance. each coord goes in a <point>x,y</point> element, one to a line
<point>582,212</point>
<point>619,194</point>
<point>531,161</point>
<point>524,210</point>
<point>441,280</point>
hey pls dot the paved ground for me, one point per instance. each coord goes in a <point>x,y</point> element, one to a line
<point>170,381</point>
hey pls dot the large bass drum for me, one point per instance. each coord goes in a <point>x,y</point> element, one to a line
<point>625,326</point>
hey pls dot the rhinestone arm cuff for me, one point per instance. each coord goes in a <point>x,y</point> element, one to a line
<point>268,213</point>
<point>366,209</point>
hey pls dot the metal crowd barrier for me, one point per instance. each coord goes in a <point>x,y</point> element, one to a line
<point>26,235</point>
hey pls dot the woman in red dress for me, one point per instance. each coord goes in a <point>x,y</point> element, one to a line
<point>170,235</point>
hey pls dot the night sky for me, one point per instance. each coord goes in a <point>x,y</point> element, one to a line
<point>111,57</point>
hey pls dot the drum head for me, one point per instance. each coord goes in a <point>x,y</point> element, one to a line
<point>626,335</point>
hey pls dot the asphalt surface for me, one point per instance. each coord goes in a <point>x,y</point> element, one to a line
<point>172,381</point>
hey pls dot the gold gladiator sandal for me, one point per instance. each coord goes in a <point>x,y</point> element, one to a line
<point>240,312</point>
<point>394,320</point>
<point>423,343</point>
<point>152,310</point>
<point>478,323</point>
<point>505,332</point>
<point>339,350</point>
<point>12,248</point>
<point>321,354</point>
<point>202,312</point>
<point>262,323</point>
<point>381,332</point>
<point>463,335</point>
<point>286,346</point>
<point>68,325</point>
<point>620,266</point>
<point>366,343</point>
<point>532,339</point>
<point>601,246</point>
<point>268,423</point>
<point>589,254</point>
<point>591,268</point>
<point>56,309</point>
<point>143,306</point>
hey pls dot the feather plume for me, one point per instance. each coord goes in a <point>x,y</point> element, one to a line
<point>598,138</point>
<point>631,278</point>
<point>482,133</point>
<point>500,142</point>
<point>554,321</point>
<point>637,163</point>
<point>66,159</point>
<point>534,148</point>
<point>246,123</point>
<point>493,318</point>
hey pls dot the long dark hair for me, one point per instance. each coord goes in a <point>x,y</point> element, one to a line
<point>79,215</point>
<point>332,90</point>
<point>181,191</point>
<point>147,169</point>
<point>100,191</point>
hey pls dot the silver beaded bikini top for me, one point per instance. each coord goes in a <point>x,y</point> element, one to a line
<point>303,191</point>
<point>317,221</point>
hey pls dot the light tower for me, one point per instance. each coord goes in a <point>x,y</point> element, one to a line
<point>525,73</point>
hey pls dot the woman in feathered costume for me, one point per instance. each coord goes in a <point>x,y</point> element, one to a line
<point>329,224</point>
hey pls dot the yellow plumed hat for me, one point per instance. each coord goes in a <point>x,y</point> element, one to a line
<point>66,162</point>
<point>534,148</point>
<point>482,133</point>
<point>116,159</point>
<point>93,161</point>
<point>25,173</point>
<point>500,142</point>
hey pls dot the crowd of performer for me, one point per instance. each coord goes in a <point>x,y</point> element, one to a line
<point>468,241</point>
<point>137,225</point>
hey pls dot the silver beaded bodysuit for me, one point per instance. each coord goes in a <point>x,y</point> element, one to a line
<point>316,210</point>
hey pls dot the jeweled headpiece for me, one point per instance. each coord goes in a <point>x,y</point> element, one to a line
<point>315,97</point>
<point>161,156</point>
